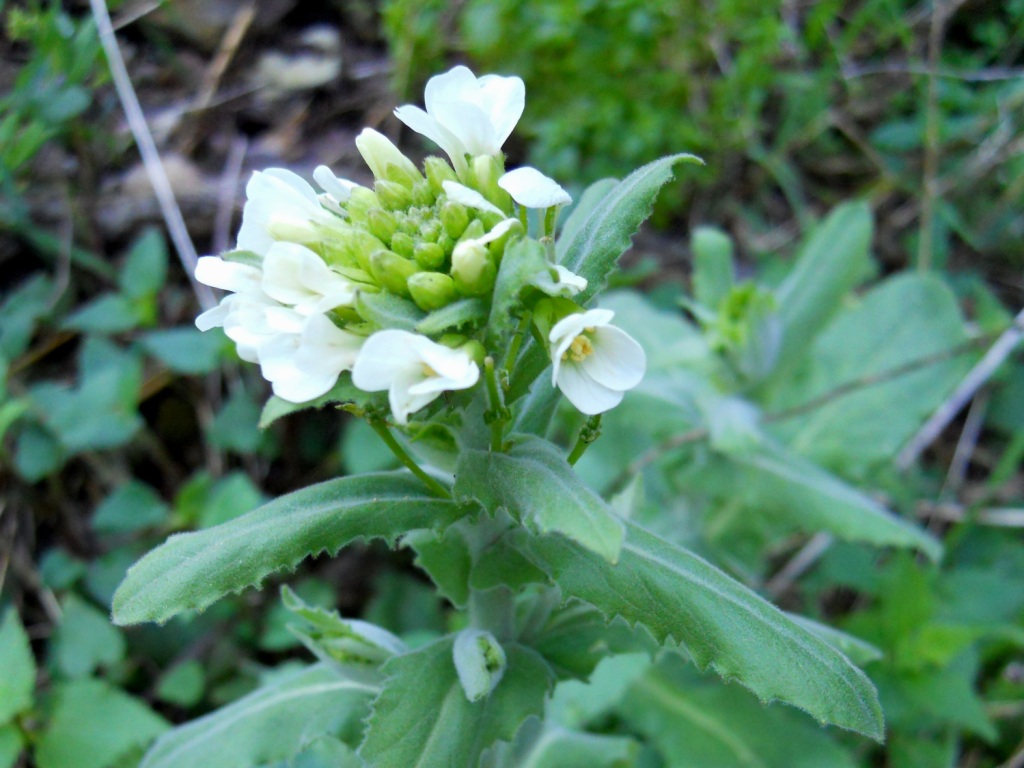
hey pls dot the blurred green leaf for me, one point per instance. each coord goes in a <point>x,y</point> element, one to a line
<point>85,639</point>
<point>132,506</point>
<point>182,684</point>
<point>10,745</point>
<point>185,350</point>
<point>19,679</point>
<point>230,497</point>
<point>21,311</point>
<point>235,427</point>
<point>107,313</point>
<point>36,453</point>
<point>145,268</point>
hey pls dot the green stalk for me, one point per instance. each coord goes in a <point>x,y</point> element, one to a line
<point>389,440</point>
<point>496,416</point>
<point>589,432</point>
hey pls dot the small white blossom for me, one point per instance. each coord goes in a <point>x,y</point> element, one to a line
<point>556,280</point>
<point>467,115</point>
<point>532,189</point>
<point>294,275</point>
<point>378,152</point>
<point>593,362</point>
<point>279,202</point>
<point>303,365</point>
<point>336,190</point>
<point>414,370</point>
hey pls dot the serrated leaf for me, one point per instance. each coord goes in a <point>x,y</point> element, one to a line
<point>536,485</point>
<point>695,724</point>
<point>593,247</point>
<point>18,680</point>
<point>675,594</point>
<point>342,392</point>
<point>815,500</point>
<point>581,211</point>
<point>446,560</point>
<point>523,259</point>
<point>95,726</point>
<point>856,650</point>
<point>192,570</point>
<point>389,311</point>
<point>422,717</point>
<point>272,723</point>
<point>452,317</point>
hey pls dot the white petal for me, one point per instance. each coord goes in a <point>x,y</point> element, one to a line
<point>566,285</point>
<point>275,193</point>
<point>471,124</point>
<point>326,349</point>
<point>618,361</point>
<point>503,98</point>
<point>425,125</point>
<point>384,356</point>
<point>378,152</point>
<point>292,180</point>
<point>228,275</point>
<point>213,318</point>
<point>460,193</point>
<point>455,84</point>
<point>587,395</point>
<point>532,189</point>
<point>295,275</point>
<point>339,189</point>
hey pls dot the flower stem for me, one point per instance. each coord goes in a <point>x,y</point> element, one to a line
<point>517,341</point>
<point>389,440</point>
<point>588,434</point>
<point>549,221</point>
<point>497,415</point>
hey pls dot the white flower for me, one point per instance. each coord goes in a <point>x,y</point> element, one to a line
<point>231,276</point>
<point>594,363</point>
<point>532,189</point>
<point>414,370</point>
<point>336,190</point>
<point>378,152</point>
<point>460,193</point>
<point>279,202</point>
<point>556,280</point>
<point>294,275</point>
<point>302,366</point>
<point>467,115</point>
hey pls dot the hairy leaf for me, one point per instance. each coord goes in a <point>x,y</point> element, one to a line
<point>422,717</point>
<point>675,594</point>
<point>389,311</point>
<point>537,486</point>
<point>272,723</point>
<point>342,392</point>
<point>453,316</point>
<point>523,259</point>
<point>192,570</point>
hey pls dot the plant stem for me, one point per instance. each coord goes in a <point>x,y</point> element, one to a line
<point>389,440</point>
<point>517,341</point>
<point>589,432</point>
<point>497,412</point>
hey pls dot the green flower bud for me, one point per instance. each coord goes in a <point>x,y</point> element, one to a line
<point>432,290</point>
<point>486,171</point>
<point>422,194</point>
<point>474,231</point>
<point>360,246</point>
<point>382,224</point>
<point>392,271</point>
<point>429,255</point>
<point>293,231</point>
<point>455,219</point>
<point>472,269</point>
<point>447,244</point>
<point>393,196</point>
<point>385,160</point>
<point>430,230</point>
<point>403,244</point>
<point>438,172</point>
<point>475,350</point>
<point>360,203</point>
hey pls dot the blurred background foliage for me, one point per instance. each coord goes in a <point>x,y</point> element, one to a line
<point>807,300</point>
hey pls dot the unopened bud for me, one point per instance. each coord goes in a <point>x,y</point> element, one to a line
<point>438,172</point>
<point>447,243</point>
<point>292,230</point>
<point>360,203</point>
<point>472,269</point>
<point>393,196</point>
<point>432,290</point>
<point>475,350</point>
<point>486,170</point>
<point>392,271</point>
<point>422,194</point>
<point>429,255</point>
<point>379,153</point>
<point>382,224</point>
<point>403,244</point>
<point>455,219</point>
<point>361,246</point>
<point>430,230</point>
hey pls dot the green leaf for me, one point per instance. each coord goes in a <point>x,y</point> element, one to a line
<point>581,211</point>
<point>132,506</point>
<point>537,486</point>
<point>454,316</point>
<point>95,726</point>
<point>873,349</point>
<point>858,651</point>
<point>675,594</point>
<point>272,723</point>
<point>192,570</point>
<point>594,246</point>
<point>182,684</point>
<point>108,313</point>
<point>389,311</point>
<point>523,259</point>
<point>22,308</point>
<point>185,350</point>
<point>446,560</point>
<point>342,392</point>
<point>230,497</point>
<point>10,745</point>
<point>19,678</point>
<point>422,717</point>
<point>775,480</point>
<point>712,265</point>
<point>85,639</point>
<point>697,725</point>
<point>235,427</point>
<point>833,260</point>
<point>547,745</point>
<point>145,269</point>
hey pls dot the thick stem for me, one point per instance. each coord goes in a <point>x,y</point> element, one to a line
<point>389,440</point>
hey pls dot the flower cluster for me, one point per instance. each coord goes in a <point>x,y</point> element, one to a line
<point>341,279</point>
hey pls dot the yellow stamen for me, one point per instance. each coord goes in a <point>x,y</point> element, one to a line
<point>579,350</point>
<point>428,371</point>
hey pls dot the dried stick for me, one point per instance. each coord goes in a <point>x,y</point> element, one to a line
<point>150,155</point>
